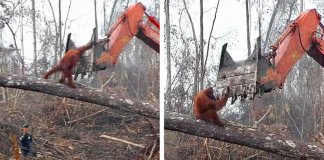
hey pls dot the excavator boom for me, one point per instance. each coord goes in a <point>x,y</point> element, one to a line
<point>128,25</point>
<point>106,52</point>
<point>262,73</point>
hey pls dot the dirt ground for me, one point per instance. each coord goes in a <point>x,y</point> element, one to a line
<point>68,129</point>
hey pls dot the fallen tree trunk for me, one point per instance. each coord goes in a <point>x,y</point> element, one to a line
<point>244,136</point>
<point>82,94</point>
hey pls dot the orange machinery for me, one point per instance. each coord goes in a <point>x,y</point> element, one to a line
<point>262,73</point>
<point>106,51</point>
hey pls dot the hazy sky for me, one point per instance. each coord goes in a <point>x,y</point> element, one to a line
<point>230,19</point>
<point>81,21</point>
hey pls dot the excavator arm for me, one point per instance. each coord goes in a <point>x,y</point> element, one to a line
<point>129,25</point>
<point>262,73</point>
<point>133,22</point>
<point>300,37</point>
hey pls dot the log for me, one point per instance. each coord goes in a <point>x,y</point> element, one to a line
<point>121,140</point>
<point>250,137</point>
<point>82,93</point>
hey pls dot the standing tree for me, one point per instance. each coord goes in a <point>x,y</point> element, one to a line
<point>196,76</point>
<point>21,19</point>
<point>210,36</point>
<point>34,37</point>
<point>167,42</point>
<point>60,30</point>
<point>111,14</point>
<point>273,16</point>
<point>7,21</point>
<point>248,34</point>
<point>56,33</point>
<point>201,51</point>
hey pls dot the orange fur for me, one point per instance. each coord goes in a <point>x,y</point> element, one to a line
<point>206,106</point>
<point>67,63</point>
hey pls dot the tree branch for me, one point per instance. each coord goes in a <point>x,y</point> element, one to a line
<point>82,94</point>
<point>244,136</point>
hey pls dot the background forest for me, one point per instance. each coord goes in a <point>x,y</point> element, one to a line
<point>193,46</point>
<point>32,39</point>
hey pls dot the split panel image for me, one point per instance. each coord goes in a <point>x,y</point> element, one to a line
<point>243,79</point>
<point>79,79</point>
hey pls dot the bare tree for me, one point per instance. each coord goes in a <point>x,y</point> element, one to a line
<point>20,57</point>
<point>111,14</point>
<point>56,33</point>
<point>60,30</point>
<point>34,37</point>
<point>96,74</point>
<point>248,34</point>
<point>273,16</point>
<point>196,77</point>
<point>21,19</point>
<point>104,17</point>
<point>4,90</point>
<point>210,36</point>
<point>201,49</point>
<point>59,35</point>
<point>66,18</point>
<point>301,5</point>
<point>291,8</point>
<point>167,42</point>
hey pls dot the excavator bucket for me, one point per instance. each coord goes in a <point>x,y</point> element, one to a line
<point>87,59</point>
<point>317,53</point>
<point>317,49</point>
<point>241,76</point>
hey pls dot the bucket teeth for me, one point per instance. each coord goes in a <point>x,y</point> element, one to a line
<point>240,76</point>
